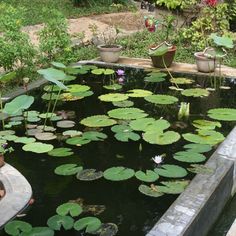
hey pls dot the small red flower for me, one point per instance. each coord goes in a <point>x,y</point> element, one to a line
<point>211,3</point>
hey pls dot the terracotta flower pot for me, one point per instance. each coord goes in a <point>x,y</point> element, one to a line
<point>168,57</point>
<point>109,53</point>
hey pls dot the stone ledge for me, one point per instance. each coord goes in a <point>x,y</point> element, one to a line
<point>18,193</point>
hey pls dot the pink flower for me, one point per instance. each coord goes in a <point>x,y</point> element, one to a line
<point>120,72</point>
<point>211,3</point>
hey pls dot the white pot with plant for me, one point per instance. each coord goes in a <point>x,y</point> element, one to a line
<point>106,43</point>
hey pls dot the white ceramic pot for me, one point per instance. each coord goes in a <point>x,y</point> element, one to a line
<point>205,64</point>
<point>109,53</point>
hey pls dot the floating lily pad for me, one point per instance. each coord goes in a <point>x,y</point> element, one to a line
<point>74,88</point>
<point>225,114</point>
<point>101,71</point>
<point>33,132</point>
<point>199,148</point>
<point>151,191</point>
<point>81,95</point>
<point>48,115</point>
<point>89,175</point>
<point>206,124</point>
<point>45,136</point>
<point>39,231</point>
<point>94,136</point>
<point>98,121</point>
<point>113,97</point>
<point>166,138</point>
<point>158,126</point>
<point>173,187</point>
<point>200,169</point>
<point>154,79</point>
<point>11,137</point>
<point>189,156</point>
<point>61,152</point>
<point>125,103</point>
<point>181,81</point>
<point>37,147</point>
<point>69,208</point>
<point>15,227</point>
<point>139,93</point>
<point>68,169</point>
<point>113,87</point>
<point>118,173</point>
<point>90,224</point>
<point>66,97</point>
<point>72,133</point>
<point>24,140</point>
<point>33,119</point>
<point>127,113</point>
<point>108,229</point>
<point>161,99</point>
<point>17,118</point>
<point>121,129</point>
<point>6,132</point>
<point>195,92</point>
<point>127,136</point>
<point>66,124</point>
<point>148,176</point>
<point>171,171</point>
<point>78,141</point>
<point>141,124</point>
<point>58,222</point>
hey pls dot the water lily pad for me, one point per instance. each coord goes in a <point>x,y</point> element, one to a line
<point>39,231</point>
<point>121,129</point>
<point>58,65</point>
<point>37,147</point>
<point>33,132</point>
<point>113,87</point>
<point>165,138</point>
<point>189,156</point>
<point>161,99</point>
<point>125,103</point>
<point>118,173</point>
<point>89,175</point>
<point>199,148</point>
<point>58,222</point>
<point>171,171</point>
<point>17,118</point>
<point>61,152</point>
<point>72,133</point>
<point>66,124</point>
<point>151,191</point>
<point>45,136</point>
<point>195,92</point>
<point>90,224</point>
<point>48,115</point>
<point>78,141</point>
<point>51,88</point>
<point>181,81</point>
<point>6,132</point>
<point>24,140</point>
<point>33,119</point>
<point>139,93</point>
<point>74,88</point>
<point>101,71</point>
<point>127,136</point>
<point>69,208</point>
<point>225,114</point>
<point>206,124</point>
<point>113,97</point>
<point>108,229</point>
<point>81,95</point>
<point>15,227</point>
<point>68,169</point>
<point>158,126</point>
<point>127,113</point>
<point>173,187</point>
<point>94,136</point>
<point>155,77</point>
<point>141,124</point>
<point>98,121</point>
<point>148,176</point>
<point>11,137</point>
<point>200,169</point>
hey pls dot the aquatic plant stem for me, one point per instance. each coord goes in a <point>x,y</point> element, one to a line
<point>1,107</point>
<point>55,103</point>
<point>49,106</point>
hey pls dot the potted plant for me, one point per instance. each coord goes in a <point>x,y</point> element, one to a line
<point>162,54</point>
<point>4,150</point>
<point>211,56</point>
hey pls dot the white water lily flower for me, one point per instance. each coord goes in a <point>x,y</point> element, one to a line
<point>158,159</point>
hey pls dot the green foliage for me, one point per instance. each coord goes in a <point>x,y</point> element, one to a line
<point>148,176</point>
<point>70,208</point>
<point>39,231</point>
<point>118,173</point>
<point>15,227</point>
<point>89,175</point>
<point>173,187</point>
<point>171,171</point>
<point>152,191</point>
<point>225,114</point>
<point>58,222</point>
<point>189,156</point>
<point>127,113</point>
<point>37,147</point>
<point>90,224</point>
<point>68,169</point>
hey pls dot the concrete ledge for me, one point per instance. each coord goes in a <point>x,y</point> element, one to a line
<point>198,207</point>
<point>18,193</point>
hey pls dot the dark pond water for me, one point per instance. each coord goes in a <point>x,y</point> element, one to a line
<point>134,213</point>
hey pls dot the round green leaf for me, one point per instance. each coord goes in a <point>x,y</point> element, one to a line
<point>78,141</point>
<point>206,124</point>
<point>121,129</point>
<point>24,140</point>
<point>39,231</point>
<point>189,156</point>
<point>171,171</point>
<point>152,191</point>
<point>113,97</point>
<point>181,81</point>
<point>225,114</point>
<point>126,136</point>
<point>15,227</point>
<point>173,187</point>
<point>89,175</point>
<point>68,169</point>
<point>139,93</point>
<point>195,92</point>
<point>57,222</point>
<point>118,173</point>
<point>98,121</point>
<point>141,124</point>
<point>74,88</point>
<point>125,103</point>
<point>148,176</point>
<point>94,136</point>
<point>161,99</point>
<point>69,208</point>
<point>199,148</point>
<point>90,224</point>
<point>127,113</point>
<point>61,152</point>
<point>113,87</point>
<point>37,147</point>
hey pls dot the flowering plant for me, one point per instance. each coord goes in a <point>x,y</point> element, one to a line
<point>4,149</point>
<point>211,3</point>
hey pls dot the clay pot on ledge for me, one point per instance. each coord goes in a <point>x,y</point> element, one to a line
<point>109,53</point>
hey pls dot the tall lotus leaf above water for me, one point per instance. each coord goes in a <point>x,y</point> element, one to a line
<point>195,92</point>
<point>171,171</point>
<point>222,41</point>
<point>97,121</point>
<point>90,224</point>
<point>161,99</point>
<point>118,173</point>
<point>225,114</point>
<point>18,104</point>
<point>127,113</point>
<point>113,97</point>
<point>58,65</point>
<point>15,227</point>
<point>58,222</point>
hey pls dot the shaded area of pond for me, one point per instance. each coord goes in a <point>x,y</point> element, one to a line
<point>134,213</point>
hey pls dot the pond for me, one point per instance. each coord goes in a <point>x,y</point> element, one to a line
<point>128,138</point>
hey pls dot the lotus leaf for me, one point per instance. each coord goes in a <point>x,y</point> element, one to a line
<point>159,51</point>
<point>39,231</point>
<point>113,97</point>
<point>141,124</point>
<point>18,104</point>
<point>121,129</point>
<point>125,103</point>
<point>223,41</point>
<point>61,152</point>
<point>118,173</point>
<point>204,137</point>
<point>225,114</point>
<point>199,148</point>
<point>73,209</point>
<point>200,169</point>
<point>126,136</point>
<point>152,191</point>
<point>57,222</point>
<point>127,113</point>
<point>113,87</point>
<point>37,147</point>
<point>98,121</point>
<point>65,124</point>
<point>195,92</point>
<point>171,171</point>
<point>161,99</point>
<point>173,187</point>
<point>139,93</point>
<point>24,140</point>
<point>58,65</point>
<point>45,136</point>
<point>181,81</point>
<point>101,71</point>
<point>166,138</point>
<point>89,175</point>
<point>68,169</point>
<point>78,141</point>
<point>90,224</point>
<point>15,227</point>
<point>189,156</point>
<point>13,123</point>
<point>72,133</point>
<point>206,124</point>
<point>148,176</point>
<point>94,136</point>
<point>74,88</point>
<point>108,229</point>
<point>33,132</point>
